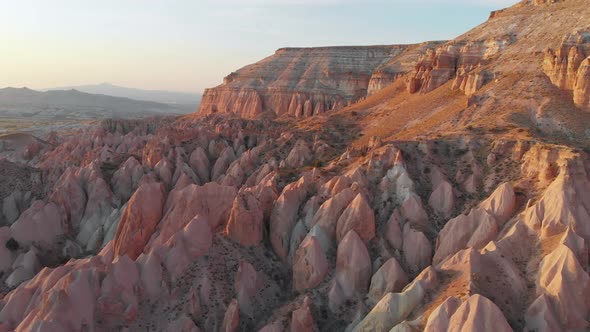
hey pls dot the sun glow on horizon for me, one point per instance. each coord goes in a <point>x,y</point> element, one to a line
<point>187,45</point>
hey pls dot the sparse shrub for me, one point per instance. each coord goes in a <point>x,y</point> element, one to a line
<point>317,163</point>
<point>12,245</point>
<point>460,152</point>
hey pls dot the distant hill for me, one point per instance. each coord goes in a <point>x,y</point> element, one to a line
<point>74,104</point>
<point>166,97</point>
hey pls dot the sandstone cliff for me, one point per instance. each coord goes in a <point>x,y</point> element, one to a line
<point>458,60</point>
<point>310,81</point>
<point>568,66</point>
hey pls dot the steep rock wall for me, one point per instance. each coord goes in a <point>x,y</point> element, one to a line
<point>455,60</point>
<point>310,81</point>
<point>568,66</point>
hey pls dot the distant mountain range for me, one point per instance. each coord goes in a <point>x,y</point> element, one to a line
<point>165,97</point>
<point>77,105</point>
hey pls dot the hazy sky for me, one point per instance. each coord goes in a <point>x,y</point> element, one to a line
<point>187,45</point>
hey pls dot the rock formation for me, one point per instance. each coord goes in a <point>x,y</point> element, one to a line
<point>462,207</point>
<point>288,82</point>
<point>568,66</point>
<point>458,61</point>
<point>139,220</point>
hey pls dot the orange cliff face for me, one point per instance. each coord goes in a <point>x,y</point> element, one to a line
<point>456,60</point>
<point>568,66</point>
<point>310,81</point>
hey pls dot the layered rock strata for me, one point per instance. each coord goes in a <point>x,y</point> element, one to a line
<point>303,82</point>
<point>568,66</point>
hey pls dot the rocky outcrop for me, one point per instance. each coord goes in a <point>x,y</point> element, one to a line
<point>245,223</point>
<point>382,78</point>
<point>302,318</point>
<point>231,320</point>
<point>471,81</point>
<point>568,66</point>
<point>40,224</point>
<point>14,205</point>
<point>200,163</point>
<point>582,86</point>
<point>310,265</point>
<point>390,278</point>
<point>479,226</point>
<point>358,216</point>
<point>285,211</point>
<point>247,284</point>
<point>394,308</point>
<point>417,249</point>
<point>559,272</point>
<point>455,60</point>
<point>477,314</point>
<point>139,220</point>
<point>300,155</point>
<point>211,201</point>
<point>442,199</point>
<point>126,179</point>
<point>304,82</point>
<point>438,320</point>
<point>545,2</point>
<point>353,270</point>
<point>473,230</point>
<point>501,203</point>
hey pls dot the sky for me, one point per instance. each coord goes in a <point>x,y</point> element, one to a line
<point>189,45</point>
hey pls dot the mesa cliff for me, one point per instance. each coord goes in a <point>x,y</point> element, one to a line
<point>303,82</point>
